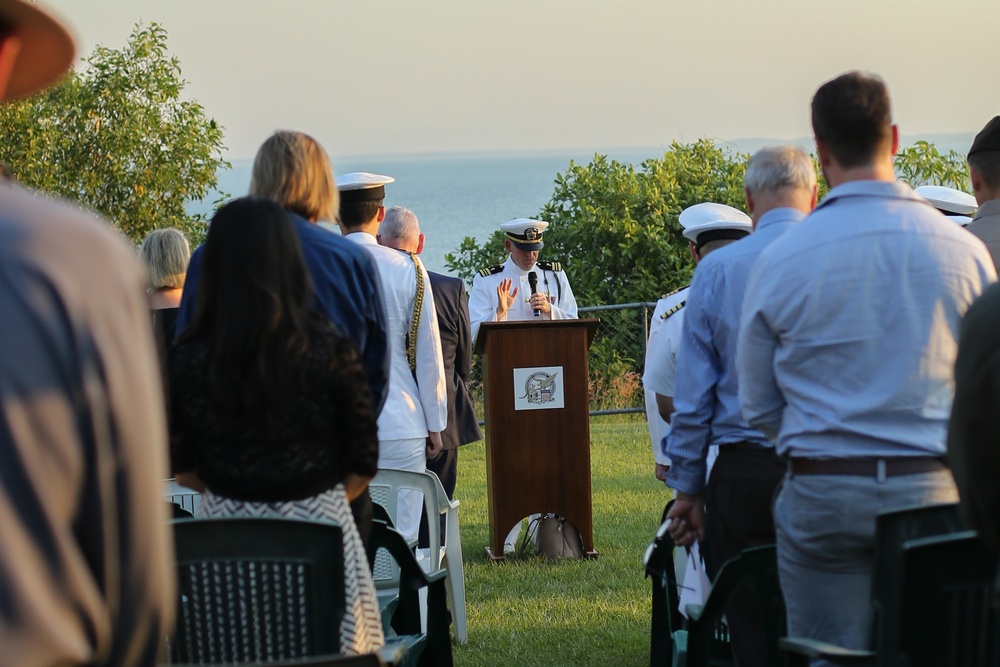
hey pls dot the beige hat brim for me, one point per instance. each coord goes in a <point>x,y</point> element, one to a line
<point>47,48</point>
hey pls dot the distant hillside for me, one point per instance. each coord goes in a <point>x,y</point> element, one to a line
<point>944,142</point>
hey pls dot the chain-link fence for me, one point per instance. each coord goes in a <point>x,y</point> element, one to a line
<point>615,359</point>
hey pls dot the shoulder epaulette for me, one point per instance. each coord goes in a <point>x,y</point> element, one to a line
<point>491,270</point>
<point>550,266</point>
<point>679,289</point>
<point>673,310</point>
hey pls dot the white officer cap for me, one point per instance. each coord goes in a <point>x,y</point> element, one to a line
<point>709,221</point>
<point>362,186</point>
<point>948,200</point>
<point>525,233</point>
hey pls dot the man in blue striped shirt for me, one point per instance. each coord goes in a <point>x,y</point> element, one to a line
<point>780,188</point>
<point>847,346</point>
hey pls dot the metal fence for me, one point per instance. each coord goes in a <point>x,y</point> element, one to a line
<point>615,359</point>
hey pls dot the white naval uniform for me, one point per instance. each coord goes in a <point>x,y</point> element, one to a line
<point>553,284</point>
<point>412,408</point>
<point>660,375</point>
<point>483,308</point>
<point>661,364</point>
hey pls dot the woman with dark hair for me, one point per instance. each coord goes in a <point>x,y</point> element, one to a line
<point>270,407</point>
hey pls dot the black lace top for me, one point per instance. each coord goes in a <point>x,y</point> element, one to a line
<point>323,432</point>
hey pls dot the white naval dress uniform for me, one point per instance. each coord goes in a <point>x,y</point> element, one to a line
<point>661,364</point>
<point>552,283</point>
<point>660,376</point>
<point>483,308</point>
<point>412,407</point>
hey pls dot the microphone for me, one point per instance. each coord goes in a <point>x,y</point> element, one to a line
<point>533,284</point>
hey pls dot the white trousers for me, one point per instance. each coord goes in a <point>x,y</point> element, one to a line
<point>408,454</point>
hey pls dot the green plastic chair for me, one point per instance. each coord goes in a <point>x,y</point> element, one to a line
<point>665,620</point>
<point>670,632</point>
<point>756,567</point>
<point>434,646</point>
<point>257,590</point>
<point>946,606</point>
<point>339,660</point>
<point>261,591</point>
<point>893,529</point>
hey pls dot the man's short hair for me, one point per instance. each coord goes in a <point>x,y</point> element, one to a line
<point>777,167</point>
<point>356,213</point>
<point>852,116</point>
<point>292,169</point>
<point>400,224</point>
<point>987,163</point>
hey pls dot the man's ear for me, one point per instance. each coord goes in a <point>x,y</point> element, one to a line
<point>749,200</point>
<point>822,152</point>
<point>381,213</point>
<point>895,138</point>
<point>420,244</point>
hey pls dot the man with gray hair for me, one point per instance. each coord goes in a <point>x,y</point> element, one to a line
<point>846,357</point>
<point>780,189</point>
<point>401,230</point>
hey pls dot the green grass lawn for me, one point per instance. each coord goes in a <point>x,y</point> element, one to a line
<point>573,612</point>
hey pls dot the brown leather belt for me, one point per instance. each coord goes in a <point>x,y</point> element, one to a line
<point>878,468</point>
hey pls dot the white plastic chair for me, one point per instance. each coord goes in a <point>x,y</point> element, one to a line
<point>384,488</point>
<point>188,499</point>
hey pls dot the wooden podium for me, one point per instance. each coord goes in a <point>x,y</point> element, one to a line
<point>535,380</point>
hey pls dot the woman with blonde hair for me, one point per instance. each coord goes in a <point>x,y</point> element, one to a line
<point>292,170</point>
<point>270,412</point>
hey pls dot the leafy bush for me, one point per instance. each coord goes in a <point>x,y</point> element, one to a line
<point>117,138</point>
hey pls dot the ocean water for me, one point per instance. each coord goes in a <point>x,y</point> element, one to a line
<point>454,196</point>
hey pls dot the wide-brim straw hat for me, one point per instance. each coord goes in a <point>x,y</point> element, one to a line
<point>47,48</point>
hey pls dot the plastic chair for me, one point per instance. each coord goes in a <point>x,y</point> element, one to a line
<point>384,488</point>
<point>669,630</point>
<point>338,660</point>
<point>666,623</point>
<point>257,590</point>
<point>434,647</point>
<point>893,529</point>
<point>185,498</point>
<point>261,590</point>
<point>756,567</point>
<point>946,608</point>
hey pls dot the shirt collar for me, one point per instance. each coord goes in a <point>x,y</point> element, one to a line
<point>512,266</point>
<point>991,207</point>
<point>778,215</point>
<point>364,238</point>
<point>880,189</point>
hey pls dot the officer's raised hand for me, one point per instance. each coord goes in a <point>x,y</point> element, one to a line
<point>505,297</point>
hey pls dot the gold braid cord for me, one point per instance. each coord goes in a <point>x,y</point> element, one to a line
<point>418,304</point>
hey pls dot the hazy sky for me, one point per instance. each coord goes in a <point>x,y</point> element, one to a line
<point>403,76</point>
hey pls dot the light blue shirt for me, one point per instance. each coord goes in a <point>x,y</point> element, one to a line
<point>850,326</point>
<point>706,401</point>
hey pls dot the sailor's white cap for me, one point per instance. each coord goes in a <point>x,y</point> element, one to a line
<point>720,219</point>
<point>948,200</point>
<point>525,233</point>
<point>363,186</point>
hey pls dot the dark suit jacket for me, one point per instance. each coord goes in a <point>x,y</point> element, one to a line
<point>452,308</point>
<point>974,431</point>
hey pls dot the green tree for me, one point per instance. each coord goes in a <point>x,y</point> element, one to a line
<point>923,164</point>
<point>614,226</point>
<point>117,138</point>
